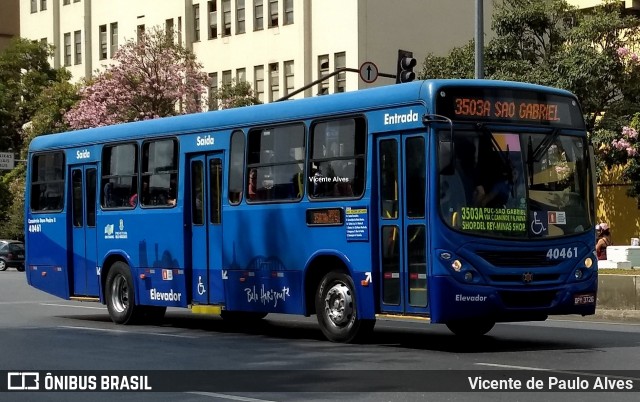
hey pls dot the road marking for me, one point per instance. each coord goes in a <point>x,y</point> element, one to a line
<point>121,331</point>
<point>507,366</point>
<point>232,397</point>
<point>71,305</point>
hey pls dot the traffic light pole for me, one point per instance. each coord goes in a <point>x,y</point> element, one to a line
<point>325,77</point>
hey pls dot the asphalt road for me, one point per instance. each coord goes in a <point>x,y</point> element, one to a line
<point>274,360</point>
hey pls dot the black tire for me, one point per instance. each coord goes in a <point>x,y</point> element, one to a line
<point>470,328</point>
<point>120,295</point>
<point>336,308</point>
<point>20,268</point>
<point>242,316</point>
<point>3,265</point>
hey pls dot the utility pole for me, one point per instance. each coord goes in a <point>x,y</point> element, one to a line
<point>479,39</point>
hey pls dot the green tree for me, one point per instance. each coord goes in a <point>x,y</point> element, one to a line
<point>24,72</point>
<point>233,94</point>
<point>25,79</point>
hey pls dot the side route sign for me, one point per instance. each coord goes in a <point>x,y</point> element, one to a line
<point>368,72</point>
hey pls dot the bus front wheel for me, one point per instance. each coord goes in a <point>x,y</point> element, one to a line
<point>120,295</point>
<point>470,328</point>
<point>336,309</point>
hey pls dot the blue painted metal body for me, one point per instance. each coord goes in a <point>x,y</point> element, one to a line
<point>263,252</point>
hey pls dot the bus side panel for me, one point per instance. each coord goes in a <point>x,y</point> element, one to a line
<point>280,292</point>
<point>267,247</point>
<point>151,241</point>
<point>46,254</point>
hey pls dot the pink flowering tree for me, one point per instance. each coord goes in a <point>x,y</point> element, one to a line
<point>153,77</point>
<point>624,150</point>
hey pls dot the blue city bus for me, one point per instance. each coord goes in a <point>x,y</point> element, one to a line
<point>469,202</point>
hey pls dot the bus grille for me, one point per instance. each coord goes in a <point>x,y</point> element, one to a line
<point>517,259</point>
<point>519,279</point>
<point>528,299</point>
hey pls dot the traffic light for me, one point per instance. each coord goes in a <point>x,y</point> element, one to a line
<point>406,63</point>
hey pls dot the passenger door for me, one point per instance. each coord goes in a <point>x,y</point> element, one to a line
<point>205,194</point>
<point>82,213</point>
<point>401,174</point>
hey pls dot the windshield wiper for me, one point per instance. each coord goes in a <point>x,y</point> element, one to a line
<point>544,145</point>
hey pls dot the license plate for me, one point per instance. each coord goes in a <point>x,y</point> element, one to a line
<point>589,298</point>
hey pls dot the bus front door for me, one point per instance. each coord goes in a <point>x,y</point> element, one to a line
<point>82,213</point>
<point>205,195</point>
<point>401,175</point>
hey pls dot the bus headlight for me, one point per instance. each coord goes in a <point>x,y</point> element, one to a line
<point>578,273</point>
<point>468,276</point>
<point>588,262</point>
<point>456,265</point>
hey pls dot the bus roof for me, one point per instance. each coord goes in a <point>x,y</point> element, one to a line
<point>270,113</point>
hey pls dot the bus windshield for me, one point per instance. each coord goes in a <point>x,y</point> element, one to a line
<point>517,185</point>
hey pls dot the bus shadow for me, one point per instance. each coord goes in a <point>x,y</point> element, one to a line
<point>503,338</point>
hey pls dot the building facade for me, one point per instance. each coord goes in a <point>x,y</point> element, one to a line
<point>276,45</point>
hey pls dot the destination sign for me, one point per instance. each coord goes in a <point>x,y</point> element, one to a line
<point>325,216</point>
<point>502,105</point>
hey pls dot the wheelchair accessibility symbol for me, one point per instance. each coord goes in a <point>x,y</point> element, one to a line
<point>201,289</point>
<point>537,227</point>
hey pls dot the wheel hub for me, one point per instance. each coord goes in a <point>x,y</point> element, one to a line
<point>338,304</point>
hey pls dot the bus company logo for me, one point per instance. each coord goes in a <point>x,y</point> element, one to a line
<point>84,154</point>
<point>527,277</point>
<point>23,381</point>
<point>202,141</point>
<point>396,118</point>
<point>154,294</point>
<point>476,298</point>
<point>108,231</point>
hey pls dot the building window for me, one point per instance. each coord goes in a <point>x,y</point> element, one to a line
<point>119,175</point>
<point>258,83</point>
<point>213,91</point>
<point>323,69</point>
<point>77,40</point>
<point>140,32</point>
<point>196,22</point>
<point>274,82</point>
<point>288,12</point>
<point>240,17</point>
<point>114,39</point>
<point>226,77</point>
<point>226,17</point>
<point>43,5</point>
<point>273,13</point>
<point>241,75</point>
<point>340,61</point>
<point>67,49</point>
<point>288,77</point>
<point>213,20</point>
<point>66,2</point>
<point>44,42</point>
<point>34,6</point>
<point>168,26</point>
<point>258,15</point>
<point>47,182</point>
<point>102,37</point>
<point>76,1</point>
<point>275,162</point>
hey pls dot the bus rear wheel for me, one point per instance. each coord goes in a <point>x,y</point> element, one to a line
<point>120,295</point>
<point>336,308</point>
<point>470,328</point>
